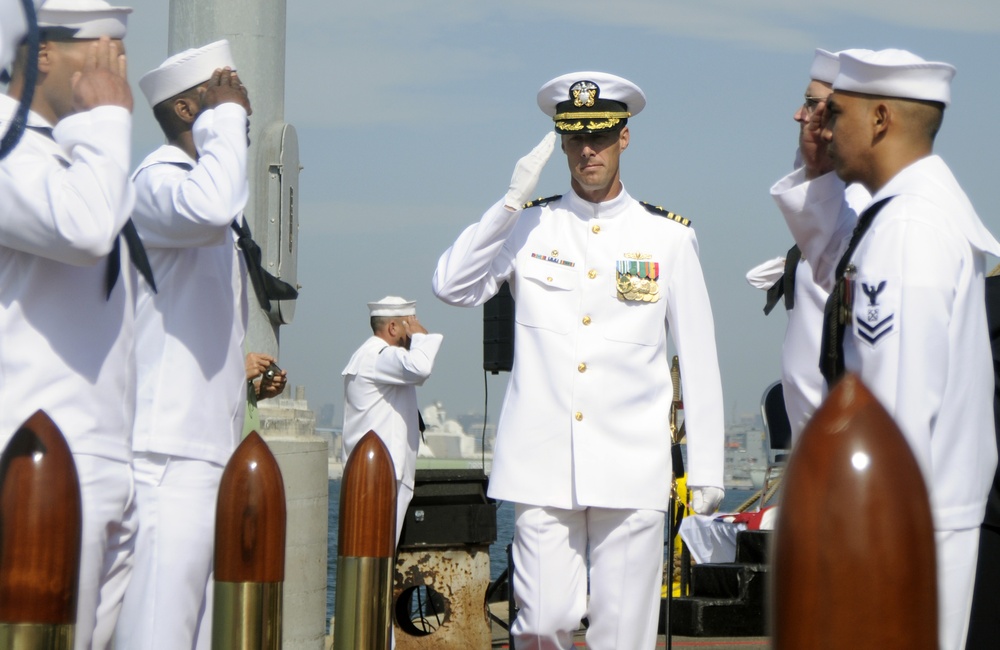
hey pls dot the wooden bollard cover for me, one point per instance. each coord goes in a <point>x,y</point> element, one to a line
<point>368,501</point>
<point>854,563</point>
<point>40,526</point>
<point>250,516</point>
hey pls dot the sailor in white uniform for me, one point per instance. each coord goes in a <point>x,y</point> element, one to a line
<point>583,447</point>
<point>380,389</point>
<point>65,328</point>
<point>801,382</point>
<point>189,342</point>
<point>916,330</point>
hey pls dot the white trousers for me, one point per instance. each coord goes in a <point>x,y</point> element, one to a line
<point>550,577</point>
<point>957,553</point>
<point>168,605</point>
<point>109,525</point>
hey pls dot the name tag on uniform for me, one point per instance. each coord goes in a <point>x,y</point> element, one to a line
<point>636,278</point>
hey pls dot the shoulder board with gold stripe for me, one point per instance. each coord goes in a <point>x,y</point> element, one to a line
<point>663,212</point>
<point>540,201</point>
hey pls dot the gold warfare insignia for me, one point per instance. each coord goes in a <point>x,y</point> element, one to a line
<point>636,280</point>
<point>584,93</point>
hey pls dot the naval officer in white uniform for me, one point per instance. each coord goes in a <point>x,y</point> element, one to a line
<point>801,381</point>
<point>583,447</point>
<point>916,331</point>
<point>189,342</point>
<point>66,337</point>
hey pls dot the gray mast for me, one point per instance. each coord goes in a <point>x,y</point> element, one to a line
<point>256,33</point>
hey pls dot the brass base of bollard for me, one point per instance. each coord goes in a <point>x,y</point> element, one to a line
<point>247,615</point>
<point>363,612</point>
<point>36,636</point>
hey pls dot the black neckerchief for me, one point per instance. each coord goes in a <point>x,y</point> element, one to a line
<point>265,285</point>
<point>785,285</point>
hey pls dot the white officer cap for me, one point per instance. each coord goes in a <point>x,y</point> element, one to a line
<point>392,306</point>
<point>894,73</point>
<point>185,70</point>
<point>83,19</point>
<point>590,102</point>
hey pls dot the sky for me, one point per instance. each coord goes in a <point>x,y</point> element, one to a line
<point>411,116</point>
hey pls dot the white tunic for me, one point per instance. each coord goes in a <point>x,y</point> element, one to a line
<point>189,338</point>
<point>64,348</point>
<point>919,337</point>
<point>802,383</point>
<point>585,418</point>
<point>380,395</point>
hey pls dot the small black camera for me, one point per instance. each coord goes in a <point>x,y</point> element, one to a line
<point>271,371</point>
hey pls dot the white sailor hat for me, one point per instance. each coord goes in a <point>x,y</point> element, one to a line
<point>185,70</point>
<point>826,65</point>
<point>894,73</point>
<point>83,19</point>
<point>590,102</point>
<point>392,306</point>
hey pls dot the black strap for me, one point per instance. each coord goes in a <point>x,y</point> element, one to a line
<point>16,129</point>
<point>46,131</point>
<point>136,251</point>
<point>785,285</point>
<point>265,285</point>
<point>839,305</point>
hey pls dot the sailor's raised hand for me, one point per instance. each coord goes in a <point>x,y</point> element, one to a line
<point>103,81</point>
<point>527,172</point>
<point>224,86</point>
<point>812,145</point>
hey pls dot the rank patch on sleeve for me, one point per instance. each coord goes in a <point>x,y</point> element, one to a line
<point>875,305</point>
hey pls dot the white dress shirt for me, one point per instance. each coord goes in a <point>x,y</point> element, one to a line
<point>64,346</point>
<point>380,395</point>
<point>189,334</point>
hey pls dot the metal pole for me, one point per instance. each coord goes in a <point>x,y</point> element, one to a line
<point>256,33</point>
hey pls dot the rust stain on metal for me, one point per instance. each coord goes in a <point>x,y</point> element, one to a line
<point>460,577</point>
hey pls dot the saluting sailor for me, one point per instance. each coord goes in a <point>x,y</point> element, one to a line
<point>66,305</point>
<point>907,310</point>
<point>583,447</point>
<point>791,277</point>
<point>189,341</point>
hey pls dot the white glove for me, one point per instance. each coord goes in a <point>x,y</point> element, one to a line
<point>526,173</point>
<point>706,500</point>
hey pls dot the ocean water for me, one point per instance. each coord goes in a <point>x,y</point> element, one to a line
<point>498,550</point>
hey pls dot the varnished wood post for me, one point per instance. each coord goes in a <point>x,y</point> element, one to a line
<point>40,533</point>
<point>854,563</point>
<point>365,548</point>
<point>249,550</point>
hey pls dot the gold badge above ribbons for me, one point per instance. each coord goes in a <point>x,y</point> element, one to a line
<point>637,281</point>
